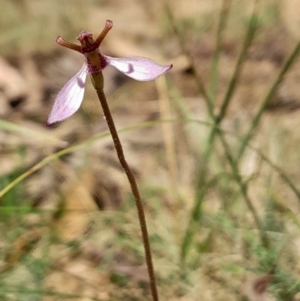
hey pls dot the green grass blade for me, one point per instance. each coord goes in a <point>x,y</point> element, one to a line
<point>181,41</point>
<point>225,9</point>
<point>255,121</point>
<point>252,27</point>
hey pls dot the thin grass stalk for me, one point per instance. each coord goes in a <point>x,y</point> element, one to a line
<point>225,9</point>
<point>5,288</point>
<point>246,44</point>
<point>167,129</point>
<point>281,173</point>
<point>75,147</point>
<point>30,133</point>
<point>200,194</point>
<point>201,188</point>
<point>182,44</point>
<point>243,188</point>
<point>89,141</point>
<point>194,223</point>
<point>252,27</point>
<point>256,119</point>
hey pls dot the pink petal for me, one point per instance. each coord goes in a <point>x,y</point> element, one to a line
<point>69,98</point>
<point>138,68</point>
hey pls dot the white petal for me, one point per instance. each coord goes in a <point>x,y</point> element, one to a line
<point>69,98</point>
<point>138,68</point>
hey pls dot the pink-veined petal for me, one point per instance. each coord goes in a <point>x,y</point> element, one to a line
<point>138,68</point>
<point>69,98</point>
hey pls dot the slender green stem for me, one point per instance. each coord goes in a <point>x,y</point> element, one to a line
<point>238,69</point>
<point>226,4</point>
<point>243,187</point>
<point>202,172</point>
<point>193,222</point>
<point>280,172</point>
<point>257,117</point>
<point>202,187</point>
<point>87,142</point>
<point>232,85</point>
<point>182,44</point>
<point>6,288</point>
<point>133,184</point>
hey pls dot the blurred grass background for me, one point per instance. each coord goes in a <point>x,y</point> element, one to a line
<point>213,144</point>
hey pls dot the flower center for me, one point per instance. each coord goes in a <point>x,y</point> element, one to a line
<point>89,47</point>
<point>88,44</point>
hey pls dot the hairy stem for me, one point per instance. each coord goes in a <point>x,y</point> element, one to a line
<point>133,184</point>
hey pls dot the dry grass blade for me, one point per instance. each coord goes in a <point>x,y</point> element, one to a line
<point>165,113</point>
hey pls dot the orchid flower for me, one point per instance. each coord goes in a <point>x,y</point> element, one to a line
<point>71,95</point>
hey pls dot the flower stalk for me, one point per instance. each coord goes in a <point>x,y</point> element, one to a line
<point>134,187</point>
